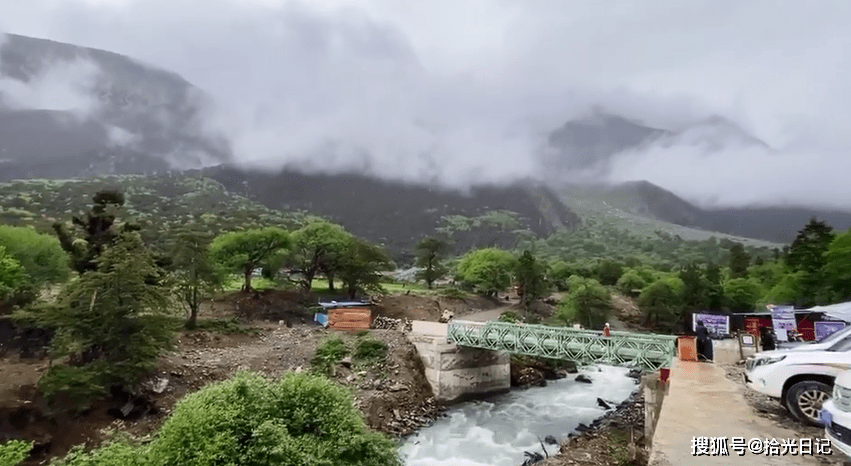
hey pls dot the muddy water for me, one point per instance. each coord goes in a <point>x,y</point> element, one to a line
<point>496,432</point>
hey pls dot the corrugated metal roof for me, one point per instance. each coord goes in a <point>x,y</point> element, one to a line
<point>335,304</point>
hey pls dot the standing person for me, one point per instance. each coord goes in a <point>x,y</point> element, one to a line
<point>704,343</point>
<point>606,330</point>
<point>767,339</point>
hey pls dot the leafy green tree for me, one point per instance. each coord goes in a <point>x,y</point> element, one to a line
<point>195,275</point>
<point>609,272</point>
<point>298,420</point>
<point>739,261</point>
<point>662,301</point>
<point>742,294</point>
<point>317,246</point>
<point>98,229</point>
<point>588,303</point>
<point>41,256</point>
<point>695,287</point>
<point>12,275</point>
<point>631,283</point>
<point>530,275</point>
<point>360,267</point>
<point>245,251</point>
<point>488,270</point>
<point>787,291</point>
<point>430,254</point>
<point>837,267</point>
<point>112,323</point>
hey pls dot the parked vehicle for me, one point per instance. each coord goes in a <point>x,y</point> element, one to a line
<point>802,377</point>
<point>836,414</point>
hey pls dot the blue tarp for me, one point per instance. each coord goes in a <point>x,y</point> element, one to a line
<point>321,319</point>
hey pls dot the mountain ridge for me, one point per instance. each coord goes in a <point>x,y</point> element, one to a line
<point>148,120</point>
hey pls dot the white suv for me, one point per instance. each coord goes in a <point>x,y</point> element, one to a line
<point>801,377</point>
<point>836,414</point>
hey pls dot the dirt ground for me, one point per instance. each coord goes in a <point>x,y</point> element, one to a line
<point>393,394</point>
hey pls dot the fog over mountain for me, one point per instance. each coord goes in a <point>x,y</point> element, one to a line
<point>721,102</point>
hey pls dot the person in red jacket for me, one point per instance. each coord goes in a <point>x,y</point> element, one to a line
<point>606,330</point>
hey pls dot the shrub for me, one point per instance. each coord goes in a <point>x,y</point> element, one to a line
<point>329,354</point>
<point>14,452</point>
<point>115,453</point>
<point>509,316</point>
<point>453,292</point>
<point>369,349</point>
<point>226,326</point>
<point>300,419</point>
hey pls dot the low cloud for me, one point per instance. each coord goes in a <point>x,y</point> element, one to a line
<point>467,92</point>
<point>64,86</point>
<point>737,176</point>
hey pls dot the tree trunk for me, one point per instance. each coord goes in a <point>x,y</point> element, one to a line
<point>248,272</point>
<point>330,277</point>
<point>353,292</point>
<point>307,283</point>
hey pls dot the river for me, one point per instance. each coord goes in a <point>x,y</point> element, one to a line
<point>496,432</point>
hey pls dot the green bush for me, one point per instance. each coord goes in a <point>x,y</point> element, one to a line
<point>300,419</point>
<point>329,354</point>
<point>14,452</point>
<point>115,453</point>
<point>453,292</point>
<point>509,316</point>
<point>367,349</point>
<point>226,326</point>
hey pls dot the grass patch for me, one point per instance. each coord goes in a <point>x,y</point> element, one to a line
<point>509,316</point>
<point>618,448</point>
<point>452,292</point>
<point>368,349</point>
<point>329,354</point>
<point>235,282</point>
<point>225,326</point>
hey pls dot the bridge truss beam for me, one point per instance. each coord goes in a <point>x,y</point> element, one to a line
<point>648,352</point>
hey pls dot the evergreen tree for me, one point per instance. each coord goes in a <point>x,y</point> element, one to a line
<point>97,230</point>
<point>111,323</point>
<point>739,261</point>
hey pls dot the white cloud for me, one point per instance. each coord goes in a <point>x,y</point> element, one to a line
<point>61,86</point>
<point>467,90</point>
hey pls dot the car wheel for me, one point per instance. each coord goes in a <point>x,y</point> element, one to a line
<point>804,400</point>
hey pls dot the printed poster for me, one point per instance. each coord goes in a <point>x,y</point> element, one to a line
<point>825,328</point>
<point>717,325</point>
<point>783,320</point>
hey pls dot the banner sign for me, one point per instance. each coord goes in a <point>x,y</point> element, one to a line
<point>783,319</point>
<point>825,328</point>
<point>717,325</point>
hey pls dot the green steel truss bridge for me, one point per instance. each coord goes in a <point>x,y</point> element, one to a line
<point>648,352</point>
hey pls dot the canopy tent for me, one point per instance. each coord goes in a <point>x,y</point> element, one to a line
<point>841,311</point>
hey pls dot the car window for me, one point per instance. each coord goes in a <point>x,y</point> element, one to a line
<point>844,345</point>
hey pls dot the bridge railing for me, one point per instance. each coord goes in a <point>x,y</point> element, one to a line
<point>646,351</point>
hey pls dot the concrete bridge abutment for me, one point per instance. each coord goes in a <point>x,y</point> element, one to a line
<point>458,373</point>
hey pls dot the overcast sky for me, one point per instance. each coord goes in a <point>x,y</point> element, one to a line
<point>476,83</point>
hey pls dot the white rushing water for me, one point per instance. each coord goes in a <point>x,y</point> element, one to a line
<point>496,432</point>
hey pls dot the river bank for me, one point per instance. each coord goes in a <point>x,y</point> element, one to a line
<point>615,439</point>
